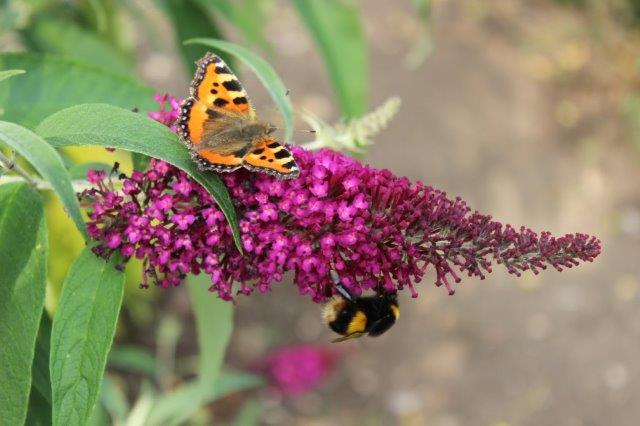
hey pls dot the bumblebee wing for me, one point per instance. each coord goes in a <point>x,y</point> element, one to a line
<point>382,325</point>
<point>348,336</point>
<point>344,292</point>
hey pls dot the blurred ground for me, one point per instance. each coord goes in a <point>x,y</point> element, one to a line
<point>519,110</point>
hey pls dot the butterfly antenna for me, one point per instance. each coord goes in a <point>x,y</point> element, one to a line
<point>296,130</point>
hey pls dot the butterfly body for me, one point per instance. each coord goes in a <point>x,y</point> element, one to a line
<point>220,127</point>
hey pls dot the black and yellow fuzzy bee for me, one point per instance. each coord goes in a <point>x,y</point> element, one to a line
<point>356,316</point>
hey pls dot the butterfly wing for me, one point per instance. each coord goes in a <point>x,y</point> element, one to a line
<point>269,156</point>
<point>216,101</point>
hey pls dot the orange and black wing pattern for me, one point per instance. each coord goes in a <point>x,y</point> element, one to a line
<point>217,106</point>
<point>217,99</point>
<point>269,156</point>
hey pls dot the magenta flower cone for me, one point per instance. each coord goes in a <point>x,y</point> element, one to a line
<point>372,227</point>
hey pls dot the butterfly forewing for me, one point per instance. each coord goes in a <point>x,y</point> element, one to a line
<point>216,98</point>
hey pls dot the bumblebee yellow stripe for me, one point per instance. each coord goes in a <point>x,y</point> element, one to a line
<point>357,323</point>
<point>396,311</point>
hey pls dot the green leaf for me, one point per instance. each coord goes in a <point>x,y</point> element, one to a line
<point>106,125</point>
<point>179,405</point>
<point>140,161</point>
<point>54,83</point>
<point>79,171</point>
<point>41,380</point>
<point>248,16</point>
<point>68,39</point>
<point>114,400</point>
<point>214,325</point>
<point>10,73</point>
<point>336,28</point>
<point>229,383</point>
<point>39,412</point>
<point>133,359</point>
<point>100,14</point>
<point>423,45</point>
<point>176,407</point>
<point>83,330</point>
<point>99,417</point>
<point>191,19</point>
<point>23,256</point>
<point>48,163</point>
<point>266,74</point>
<point>249,414</point>
<point>143,405</point>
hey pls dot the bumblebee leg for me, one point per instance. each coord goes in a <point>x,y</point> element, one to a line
<point>348,336</point>
<point>382,325</point>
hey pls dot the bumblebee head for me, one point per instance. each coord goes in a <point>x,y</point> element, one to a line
<point>383,295</point>
<point>389,296</point>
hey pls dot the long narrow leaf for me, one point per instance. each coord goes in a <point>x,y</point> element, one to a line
<point>53,83</point>
<point>47,162</point>
<point>114,400</point>
<point>70,40</point>
<point>133,359</point>
<point>191,19</point>
<point>83,330</point>
<point>248,16</point>
<point>266,74</point>
<point>106,125</point>
<point>214,324</point>
<point>39,412</point>
<point>23,255</point>
<point>41,379</point>
<point>336,28</point>
<point>249,414</point>
<point>10,73</point>
<point>179,405</point>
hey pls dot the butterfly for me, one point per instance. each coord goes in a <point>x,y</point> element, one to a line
<point>220,127</point>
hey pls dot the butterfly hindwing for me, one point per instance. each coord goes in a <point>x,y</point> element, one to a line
<point>269,156</point>
<point>209,159</point>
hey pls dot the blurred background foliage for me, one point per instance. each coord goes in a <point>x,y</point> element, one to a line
<point>586,52</point>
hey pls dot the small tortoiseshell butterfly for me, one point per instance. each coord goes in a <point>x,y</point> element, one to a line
<point>220,127</point>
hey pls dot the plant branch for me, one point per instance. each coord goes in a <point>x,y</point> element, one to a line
<point>78,185</point>
<point>11,165</point>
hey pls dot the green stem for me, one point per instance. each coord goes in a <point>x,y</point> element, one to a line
<point>11,165</point>
<point>78,185</point>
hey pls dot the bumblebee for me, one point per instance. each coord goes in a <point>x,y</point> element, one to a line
<point>354,317</point>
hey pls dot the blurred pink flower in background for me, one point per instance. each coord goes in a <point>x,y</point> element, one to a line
<point>295,370</point>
